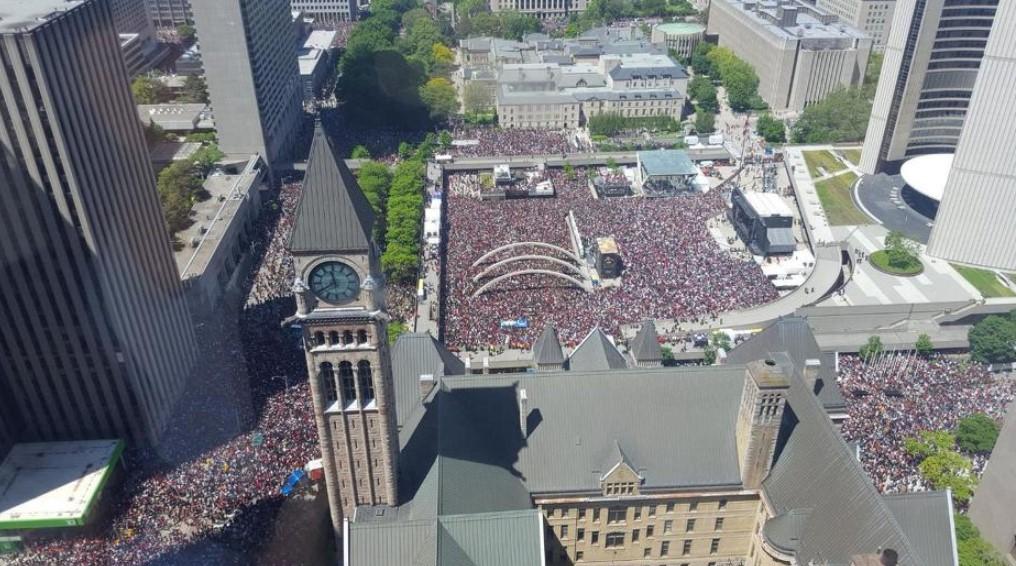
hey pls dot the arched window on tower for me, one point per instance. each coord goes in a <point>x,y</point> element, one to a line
<point>347,337</point>
<point>366,381</point>
<point>319,338</point>
<point>333,338</point>
<point>328,382</point>
<point>361,337</point>
<point>347,382</point>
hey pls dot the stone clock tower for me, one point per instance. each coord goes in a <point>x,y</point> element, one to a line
<point>340,308</point>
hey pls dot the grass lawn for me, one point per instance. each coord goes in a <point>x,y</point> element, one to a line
<point>985,281</point>
<point>880,259</point>
<point>852,155</point>
<point>824,159</point>
<point>836,200</point>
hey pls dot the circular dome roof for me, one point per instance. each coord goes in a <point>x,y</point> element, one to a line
<point>681,28</point>
<point>927,174</point>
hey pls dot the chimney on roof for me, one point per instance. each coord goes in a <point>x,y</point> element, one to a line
<point>787,15</point>
<point>523,413</point>
<point>427,383</point>
<point>889,557</point>
<point>811,368</point>
<point>758,422</point>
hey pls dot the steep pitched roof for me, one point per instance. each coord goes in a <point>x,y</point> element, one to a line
<point>333,214</point>
<point>596,352</point>
<point>645,347</point>
<point>547,350</point>
<point>415,354</point>
<point>926,518</point>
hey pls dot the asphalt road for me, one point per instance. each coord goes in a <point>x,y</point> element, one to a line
<point>880,196</point>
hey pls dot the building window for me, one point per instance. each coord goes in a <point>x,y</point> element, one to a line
<point>614,540</point>
<point>594,537</point>
<point>319,338</point>
<point>328,382</point>
<point>686,548</point>
<point>347,382</point>
<point>637,514</point>
<point>333,337</point>
<point>719,524</point>
<point>668,527</point>
<point>723,504</point>
<point>579,555</point>
<point>347,337</point>
<point>564,531</point>
<point>652,510</point>
<point>596,515</point>
<point>649,530</point>
<point>714,546</point>
<point>647,552</point>
<point>635,535</point>
<point>580,534</point>
<point>665,548</point>
<point>582,513</point>
<point>616,515</point>
<point>693,506</point>
<point>361,337</point>
<point>670,508</point>
<point>366,381</point>
<point>690,526</point>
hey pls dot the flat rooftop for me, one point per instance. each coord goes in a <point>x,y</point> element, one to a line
<point>320,39</point>
<point>768,204</point>
<point>54,484</point>
<point>808,26</point>
<point>25,15</point>
<point>666,163</point>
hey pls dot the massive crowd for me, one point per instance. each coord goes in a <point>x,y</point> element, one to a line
<point>673,268</point>
<point>479,142</point>
<point>898,395</point>
<point>208,493</point>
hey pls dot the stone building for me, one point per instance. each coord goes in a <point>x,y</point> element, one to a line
<point>800,53</point>
<point>873,17</point>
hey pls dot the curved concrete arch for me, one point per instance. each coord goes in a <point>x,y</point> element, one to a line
<point>500,278</point>
<point>513,259</point>
<point>571,255</point>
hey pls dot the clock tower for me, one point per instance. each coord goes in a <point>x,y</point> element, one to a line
<point>338,291</point>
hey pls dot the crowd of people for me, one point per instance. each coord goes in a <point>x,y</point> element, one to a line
<point>898,395</point>
<point>673,267</point>
<point>481,142</point>
<point>210,490</point>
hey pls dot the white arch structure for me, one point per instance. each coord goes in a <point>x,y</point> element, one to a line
<point>571,255</point>
<point>556,274</point>
<point>513,259</point>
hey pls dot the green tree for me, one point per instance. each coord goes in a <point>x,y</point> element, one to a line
<point>771,129</point>
<point>612,164</point>
<point>951,470</point>
<point>668,355</point>
<point>705,121</point>
<point>186,33</point>
<point>700,62</point>
<point>206,158</point>
<point>993,340</point>
<point>439,96</point>
<point>977,433</point>
<point>569,172</point>
<point>924,347</point>
<point>902,252</point>
<point>374,179</point>
<point>709,354</point>
<point>741,84</point>
<point>201,137</point>
<point>360,152</point>
<point>155,134</point>
<point>929,443</point>
<point>148,90</point>
<point>445,139</point>
<point>477,97</point>
<point>971,548</point>
<point>873,347</point>
<point>704,93</point>
<point>395,329</point>
<point>194,90</point>
<point>720,340</point>
<point>842,116</point>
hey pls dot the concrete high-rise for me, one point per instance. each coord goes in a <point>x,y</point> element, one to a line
<point>873,17</point>
<point>96,340</point>
<point>168,14</point>
<point>328,11</point>
<point>130,16</point>
<point>247,47</point>
<point>931,61</point>
<point>976,221</point>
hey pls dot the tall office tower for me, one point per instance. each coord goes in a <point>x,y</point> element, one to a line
<point>328,11</point>
<point>253,75</point>
<point>873,17</point>
<point>168,14</point>
<point>931,62</point>
<point>130,16</point>
<point>95,340</point>
<point>541,9</point>
<point>976,221</point>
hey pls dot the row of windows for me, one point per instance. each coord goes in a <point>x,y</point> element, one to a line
<point>668,526</point>
<point>334,339</point>
<point>347,382</point>
<point>637,511</point>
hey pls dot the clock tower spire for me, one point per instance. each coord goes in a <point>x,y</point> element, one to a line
<point>339,294</point>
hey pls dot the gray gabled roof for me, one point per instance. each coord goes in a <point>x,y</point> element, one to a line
<point>547,350</point>
<point>993,504</point>
<point>415,354</point>
<point>645,346</point>
<point>926,518</point>
<point>333,214</point>
<point>596,352</point>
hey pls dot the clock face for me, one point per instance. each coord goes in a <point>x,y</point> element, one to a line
<point>334,282</point>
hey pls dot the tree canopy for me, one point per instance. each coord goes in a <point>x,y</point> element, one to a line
<point>871,348</point>
<point>771,129</point>
<point>941,465</point>
<point>842,116</point>
<point>977,433</point>
<point>149,90</point>
<point>971,548</point>
<point>993,340</point>
<point>439,95</point>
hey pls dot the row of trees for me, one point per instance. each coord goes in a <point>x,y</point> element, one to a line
<point>611,123</point>
<point>390,78</point>
<point>148,89</point>
<point>943,454</point>
<point>604,12</point>
<point>737,77</point>
<point>476,19</point>
<point>703,94</point>
<point>842,116</point>
<point>181,185</point>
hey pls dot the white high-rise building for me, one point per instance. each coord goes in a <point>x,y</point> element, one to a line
<point>976,221</point>
<point>931,62</point>
<point>328,11</point>
<point>873,17</point>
